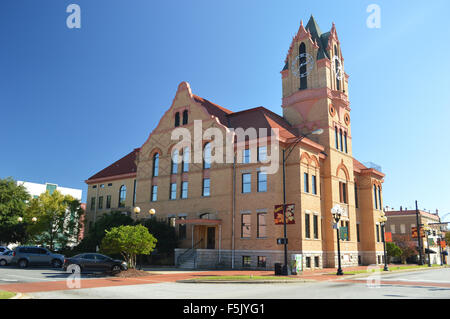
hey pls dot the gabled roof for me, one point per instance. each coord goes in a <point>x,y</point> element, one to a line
<point>125,167</point>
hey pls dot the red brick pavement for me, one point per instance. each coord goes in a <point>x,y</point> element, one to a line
<point>317,275</point>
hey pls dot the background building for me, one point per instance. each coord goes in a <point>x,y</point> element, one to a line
<point>35,189</point>
<point>401,223</point>
<point>224,211</point>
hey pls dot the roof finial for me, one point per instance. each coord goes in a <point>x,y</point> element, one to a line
<point>301,22</point>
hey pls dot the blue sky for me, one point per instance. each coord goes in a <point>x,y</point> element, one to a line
<point>69,97</point>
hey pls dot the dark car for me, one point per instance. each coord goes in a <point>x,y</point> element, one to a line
<point>95,262</point>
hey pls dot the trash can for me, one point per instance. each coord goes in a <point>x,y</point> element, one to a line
<point>278,269</point>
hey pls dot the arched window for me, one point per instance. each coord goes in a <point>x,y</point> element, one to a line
<point>336,137</point>
<point>175,162</point>
<point>155,164</point>
<point>122,195</point>
<point>207,156</point>
<point>379,197</point>
<point>185,117</point>
<point>177,119</point>
<point>345,142</point>
<point>302,64</point>
<point>375,196</point>
<point>186,159</point>
<point>340,140</point>
<point>336,67</point>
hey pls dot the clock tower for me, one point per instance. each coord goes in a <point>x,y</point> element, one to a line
<point>315,95</point>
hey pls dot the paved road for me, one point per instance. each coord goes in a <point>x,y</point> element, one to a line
<point>11,274</point>
<point>421,284</point>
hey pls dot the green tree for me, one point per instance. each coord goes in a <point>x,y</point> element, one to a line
<point>392,250</point>
<point>166,235</point>
<point>58,219</point>
<point>97,232</point>
<point>447,238</point>
<point>128,241</point>
<point>13,204</point>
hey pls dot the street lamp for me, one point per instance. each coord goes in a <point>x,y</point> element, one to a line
<point>20,219</point>
<point>337,211</point>
<point>382,221</point>
<point>137,210</point>
<point>285,157</point>
<point>427,229</point>
<point>152,212</point>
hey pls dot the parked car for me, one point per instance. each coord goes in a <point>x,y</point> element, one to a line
<point>95,262</point>
<point>3,249</point>
<point>25,256</point>
<point>6,257</point>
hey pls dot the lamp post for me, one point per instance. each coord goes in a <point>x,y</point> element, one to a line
<point>337,212</point>
<point>152,212</point>
<point>285,157</point>
<point>440,249</point>
<point>383,220</point>
<point>137,210</point>
<point>419,237</point>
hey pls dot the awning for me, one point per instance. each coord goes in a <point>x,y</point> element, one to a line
<point>429,251</point>
<point>198,221</point>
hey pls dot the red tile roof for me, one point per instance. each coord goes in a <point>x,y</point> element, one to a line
<point>125,166</point>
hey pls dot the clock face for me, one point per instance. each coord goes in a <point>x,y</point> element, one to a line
<point>337,64</point>
<point>299,62</point>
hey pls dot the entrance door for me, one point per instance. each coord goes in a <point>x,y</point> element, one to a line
<point>211,238</point>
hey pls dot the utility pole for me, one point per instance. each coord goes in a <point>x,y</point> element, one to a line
<point>419,237</point>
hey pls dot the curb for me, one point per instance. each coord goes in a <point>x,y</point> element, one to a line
<point>381,272</point>
<point>287,281</point>
<point>20,295</point>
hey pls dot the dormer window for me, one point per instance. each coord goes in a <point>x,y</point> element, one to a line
<point>185,117</point>
<point>302,65</point>
<point>177,119</point>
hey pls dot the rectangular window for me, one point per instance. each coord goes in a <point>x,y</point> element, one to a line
<point>343,192</point>
<point>378,233</point>
<point>307,226</point>
<point>347,224</point>
<point>340,140</point>
<point>261,230</point>
<point>262,181</point>
<point>154,196</point>
<point>357,233</point>
<point>316,226</point>
<point>100,202</point>
<point>134,193</point>
<point>246,261</point>
<point>173,191</point>
<point>375,196</point>
<point>314,184</point>
<point>246,183</point>
<point>171,221</point>
<point>182,229</point>
<point>245,226</point>
<point>262,154</point>
<point>356,196</point>
<point>108,201</point>
<point>184,190</point>
<point>345,142</point>
<point>308,262</point>
<point>262,261</point>
<point>393,228</point>
<point>316,262</point>
<point>92,203</point>
<point>206,187</point>
<point>246,156</point>
<point>306,182</point>
<point>336,137</point>
<point>402,229</point>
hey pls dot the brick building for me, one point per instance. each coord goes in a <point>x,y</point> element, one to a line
<point>223,211</point>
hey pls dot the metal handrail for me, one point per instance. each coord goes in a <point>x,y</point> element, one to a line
<point>188,253</point>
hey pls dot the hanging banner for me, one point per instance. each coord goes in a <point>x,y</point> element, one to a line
<point>343,233</point>
<point>414,232</point>
<point>388,237</point>
<point>278,214</point>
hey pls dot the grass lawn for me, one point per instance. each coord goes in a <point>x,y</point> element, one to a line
<point>6,294</point>
<point>391,268</point>
<point>244,277</point>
